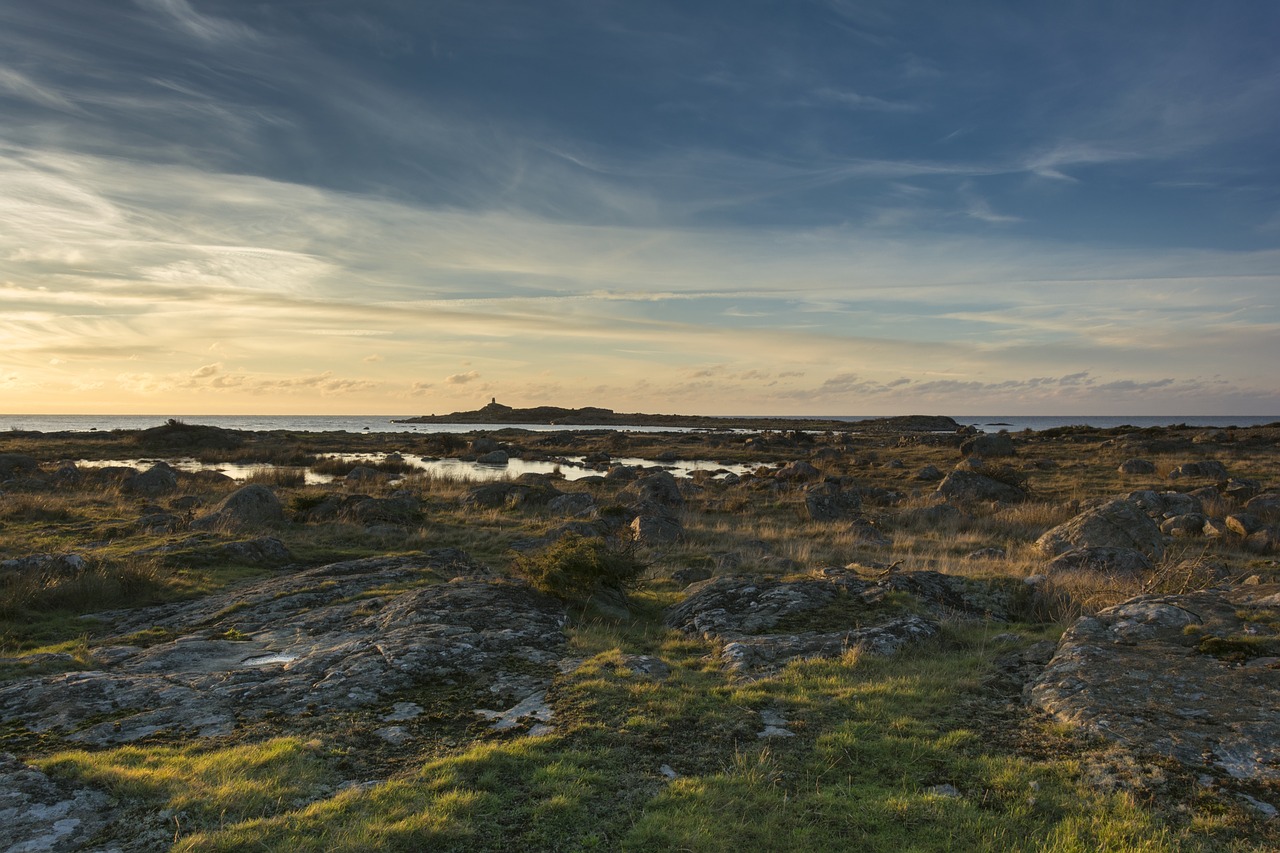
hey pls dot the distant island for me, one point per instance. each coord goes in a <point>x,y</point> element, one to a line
<point>497,413</point>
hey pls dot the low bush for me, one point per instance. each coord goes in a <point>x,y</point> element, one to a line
<point>577,567</point>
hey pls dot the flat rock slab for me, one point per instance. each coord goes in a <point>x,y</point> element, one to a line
<point>38,813</point>
<point>750,615</point>
<point>1137,674</point>
<point>331,638</point>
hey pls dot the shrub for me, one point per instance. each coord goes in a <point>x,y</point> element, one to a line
<point>575,567</point>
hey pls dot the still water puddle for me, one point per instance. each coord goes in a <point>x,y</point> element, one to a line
<point>264,660</point>
<point>570,468</point>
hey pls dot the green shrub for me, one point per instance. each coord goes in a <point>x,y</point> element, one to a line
<point>577,567</point>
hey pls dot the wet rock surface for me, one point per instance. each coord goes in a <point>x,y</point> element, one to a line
<point>322,639</point>
<point>1193,677</point>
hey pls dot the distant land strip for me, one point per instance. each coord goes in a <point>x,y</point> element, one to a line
<point>497,413</point>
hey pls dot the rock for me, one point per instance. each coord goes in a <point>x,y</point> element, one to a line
<point>262,551</point>
<point>829,502</point>
<point>691,575</point>
<point>1119,523</point>
<point>1182,526</point>
<point>160,523</point>
<point>38,813</point>
<point>1177,503</point>
<point>1264,541</point>
<point>1215,528</point>
<point>656,529</point>
<point>800,471</point>
<point>1137,466</point>
<point>864,532</point>
<point>957,597</point>
<point>1208,469</point>
<point>988,445</point>
<point>53,565</point>
<point>929,474</point>
<point>658,488</point>
<point>157,480</point>
<point>938,515</point>
<point>1111,561</point>
<point>365,474</point>
<point>16,465</point>
<point>731,606</point>
<point>574,503</point>
<point>881,640</point>
<point>494,457</point>
<point>246,508</point>
<point>1265,505</point>
<point>1241,489</point>
<point>510,495</point>
<point>1140,674</point>
<point>1243,524</point>
<point>400,510</point>
<point>973,487</point>
<point>620,474</point>
<point>324,640</point>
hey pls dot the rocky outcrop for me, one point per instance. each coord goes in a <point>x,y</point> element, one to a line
<point>829,502</point>
<point>1208,469</point>
<point>962,486</point>
<point>1194,677</point>
<point>1119,523</point>
<point>1137,466</point>
<point>763,622</point>
<point>880,640</point>
<point>510,495</point>
<point>988,445</point>
<point>1113,562</point>
<point>159,479</point>
<point>320,640</point>
<point>38,813</point>
<point>247,508</point>
<point>17,465</point>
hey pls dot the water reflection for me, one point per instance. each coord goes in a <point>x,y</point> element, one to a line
<point>570,468</point>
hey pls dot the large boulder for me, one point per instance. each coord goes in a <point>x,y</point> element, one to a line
<point>988,445</point>
<point>246,508</point>
<point>1137,466</point>
<point>829,502</point>
<point>1207,469</point>
<point>159,479</point>
<point>1114,562</point>
<point>1178,676</point>
<point>658,488</point>
<point>1119,523</point>
<point>16,465</point>
<point>962,486</point>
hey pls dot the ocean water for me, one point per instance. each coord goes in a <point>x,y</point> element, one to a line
<point>384,423</point>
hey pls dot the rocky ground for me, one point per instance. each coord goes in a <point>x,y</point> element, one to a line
<point>1108,604</point>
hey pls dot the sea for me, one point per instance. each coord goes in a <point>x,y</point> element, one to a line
<point>387,423</point>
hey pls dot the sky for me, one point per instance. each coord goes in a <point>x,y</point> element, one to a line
<point>825,207</point>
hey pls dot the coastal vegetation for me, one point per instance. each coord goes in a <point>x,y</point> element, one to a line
<point>639,732</point>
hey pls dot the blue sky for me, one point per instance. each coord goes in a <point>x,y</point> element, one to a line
<point>813,207</point>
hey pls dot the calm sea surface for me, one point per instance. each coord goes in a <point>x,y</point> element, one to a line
<point>383,423</point>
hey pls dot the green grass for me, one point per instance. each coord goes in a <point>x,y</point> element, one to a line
<point>873,740</point>
<point>212,786</point>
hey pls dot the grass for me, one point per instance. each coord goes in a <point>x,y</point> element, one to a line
<point>875,741</point>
